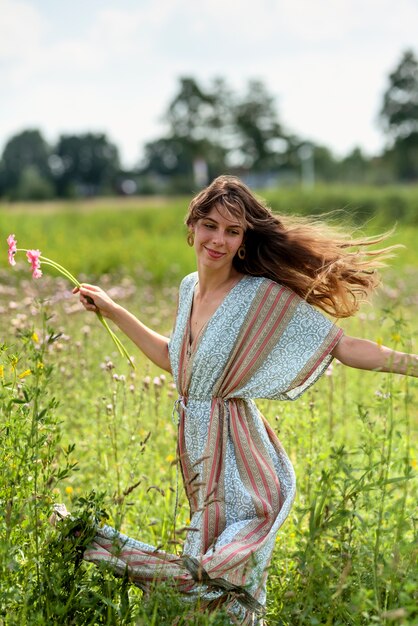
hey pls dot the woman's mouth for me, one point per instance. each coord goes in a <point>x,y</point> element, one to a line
<point>213,254</point>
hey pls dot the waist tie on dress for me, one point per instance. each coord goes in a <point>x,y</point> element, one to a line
<point>181,403</point>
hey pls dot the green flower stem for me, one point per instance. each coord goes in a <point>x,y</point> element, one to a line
<point>61,270</point>
<point>123,351</point>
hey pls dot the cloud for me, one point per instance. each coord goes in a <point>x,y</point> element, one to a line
<point>115,67</point>
<point>21,29</point>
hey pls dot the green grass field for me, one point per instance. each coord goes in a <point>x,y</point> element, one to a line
<point>75,419</point>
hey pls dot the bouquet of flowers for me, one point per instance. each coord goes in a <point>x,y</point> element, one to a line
<point>35,258</point>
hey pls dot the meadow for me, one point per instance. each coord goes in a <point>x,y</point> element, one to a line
<point>80,426</point>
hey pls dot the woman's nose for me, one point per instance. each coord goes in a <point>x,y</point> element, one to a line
<point>219,236</point>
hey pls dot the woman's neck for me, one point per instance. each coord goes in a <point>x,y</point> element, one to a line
<point>211,282</point>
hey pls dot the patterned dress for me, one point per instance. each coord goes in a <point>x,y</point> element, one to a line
<point>263,341</point>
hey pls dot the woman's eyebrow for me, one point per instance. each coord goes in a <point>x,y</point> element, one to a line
<point>210,219</point>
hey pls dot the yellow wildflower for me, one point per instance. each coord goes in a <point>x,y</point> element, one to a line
<point>40,365</point>
<point>169,458</point>
<point>69,490</point>
<point>379,341</point>
<point>35,337</point>
<point>1,371</point>
<point>25,373</point>
<point>396,337</point>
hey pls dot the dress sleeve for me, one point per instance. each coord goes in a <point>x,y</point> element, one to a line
<point>299,357</point>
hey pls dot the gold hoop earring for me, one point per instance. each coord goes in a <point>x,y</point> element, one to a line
<point>241,252</point>
<point>190,239</point>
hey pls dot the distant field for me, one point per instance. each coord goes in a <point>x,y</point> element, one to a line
<point>119,234</point>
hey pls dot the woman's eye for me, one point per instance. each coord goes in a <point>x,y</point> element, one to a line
<point>209,225</point>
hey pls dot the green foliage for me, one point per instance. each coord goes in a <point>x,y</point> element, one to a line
<point>32,186</point>
<point>399,116</point>
<point>84,165</point>
<point>77,425</point>
<point>126,235</point>
<point>400,104</point>
<point>24,167</point>
<point>44,579</point>
<point>378,207</point>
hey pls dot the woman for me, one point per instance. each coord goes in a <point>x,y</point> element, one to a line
<point>245,328</point>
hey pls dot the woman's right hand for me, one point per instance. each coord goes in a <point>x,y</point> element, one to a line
<point>95,299</point>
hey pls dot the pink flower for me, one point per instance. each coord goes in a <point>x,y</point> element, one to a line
<point>12,243</point>
<point>33,258</point>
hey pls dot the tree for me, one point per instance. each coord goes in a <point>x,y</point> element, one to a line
<point>261,142</point>
<point>399,117</point>
<point>84,164</point>
<point>194,120</point>
<point>215,126</point>
<point>25,152</point>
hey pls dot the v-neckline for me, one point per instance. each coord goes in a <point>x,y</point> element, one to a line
<point>193,345</point>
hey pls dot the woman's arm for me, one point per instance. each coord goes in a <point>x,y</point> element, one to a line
<point>367,355</point>
<point>152,344</point>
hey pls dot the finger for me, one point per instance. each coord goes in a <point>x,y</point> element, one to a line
<point>87,301</point>
<point>88,287</point>
<point>76,290</point>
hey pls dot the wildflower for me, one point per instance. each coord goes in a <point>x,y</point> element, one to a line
<point>396,337</point>
<point>380,394</point>
<point>25,373</point>
<point>146,381</point>
<point>157,381</point>
<point>169,458</point>
<point>12,243</point>
<point>33,258</point>
<point>1,371</point>
<point>69,490</point>
<point>35,337</point>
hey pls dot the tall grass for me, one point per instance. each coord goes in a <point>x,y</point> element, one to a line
<point>77,425</point>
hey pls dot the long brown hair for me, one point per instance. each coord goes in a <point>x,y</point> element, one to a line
<point>327,268</point>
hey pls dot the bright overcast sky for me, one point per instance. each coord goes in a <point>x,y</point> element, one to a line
<point>113,66</point>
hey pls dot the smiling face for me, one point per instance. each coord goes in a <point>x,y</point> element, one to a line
<point>218,236</point>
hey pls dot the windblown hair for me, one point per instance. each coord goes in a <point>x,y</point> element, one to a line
<point>327,268</point>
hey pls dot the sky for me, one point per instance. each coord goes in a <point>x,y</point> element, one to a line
<point>113,66</point>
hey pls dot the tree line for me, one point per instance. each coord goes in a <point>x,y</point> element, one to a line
<point>212,130</point>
